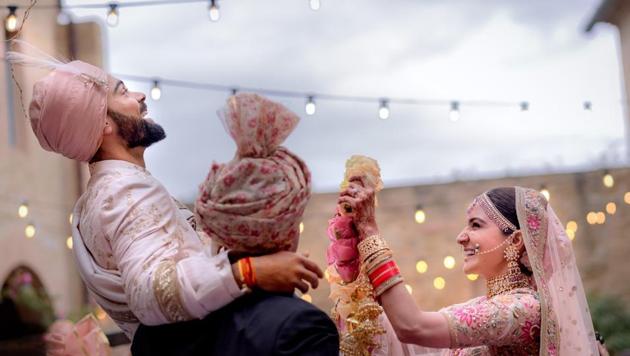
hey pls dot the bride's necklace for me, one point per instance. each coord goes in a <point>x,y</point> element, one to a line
<point>506,282</point>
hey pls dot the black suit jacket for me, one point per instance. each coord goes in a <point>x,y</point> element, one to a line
<point>257,324</point>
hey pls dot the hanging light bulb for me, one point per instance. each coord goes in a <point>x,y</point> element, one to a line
<point>310,106</point>
<point>29,230</point>
<point>608,180</point>
<point>545,192</point>
<point>70,218</point>
<point>301,227</point>
<point>591,218</point>
<point>422,266</point>
<point>383,110</point>
<point>315,4</point>
<point>11,22</point>
<point>23,210</point>
<point>524,106</point>
<point>587,105</point>
<point>112,15</point>
<point>449,262</point>
<point>454,114</point>
<point>69,242</point>
<point>611,208</point>
<point>420,216</point>
<point>213,11</point>
<point>156,91</point>
<point>572,225</point>
<point>439,283</point>
<point>626,198</point>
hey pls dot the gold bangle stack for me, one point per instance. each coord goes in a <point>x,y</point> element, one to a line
<point>374,253</point>
<point>371,245</point>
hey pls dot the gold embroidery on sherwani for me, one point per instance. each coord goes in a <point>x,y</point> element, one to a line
<point>166,290</point>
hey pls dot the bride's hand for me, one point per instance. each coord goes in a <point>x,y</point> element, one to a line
<point>361,200</point>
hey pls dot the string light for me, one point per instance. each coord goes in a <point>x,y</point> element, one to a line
<point>587,105</point>
<point>315,4</point>
<point>409,288</point>
<point>420,216</point>
<point>310,106</point>
<point>626,198</point>
<point>422,266</point>
<point>112,15</point>
<point>611,208</point>
<point>608,180</point>
<point>301,227</point>
<point>572,225</point>
<point>524,106</point>
<point>571,234</point>
<point>591,218</point>
<point>439,283</point>
<point>11,22</point>
<point>454,114</point>
<point>69,242</point>
<point>601,217</point>
<point>449,262</point>
<point>156,91</point>
<point>29,230</point>
<point>545,192</point>
<point>327,275</point>
<point>472,276</point>
<point>383,110</point>
<point>23,210</point>
<point>213,11</point>
<point>70,218</point>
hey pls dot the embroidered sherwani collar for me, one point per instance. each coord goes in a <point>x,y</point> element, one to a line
<point>108,164</point>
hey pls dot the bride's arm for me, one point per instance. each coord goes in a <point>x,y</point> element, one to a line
<point>410,323</point>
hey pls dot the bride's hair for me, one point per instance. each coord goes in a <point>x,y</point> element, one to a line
<point>504,199</point>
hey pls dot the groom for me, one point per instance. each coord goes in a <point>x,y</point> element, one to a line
<point>139,256</point>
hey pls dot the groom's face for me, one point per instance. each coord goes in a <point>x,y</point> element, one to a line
<point>128,110</point>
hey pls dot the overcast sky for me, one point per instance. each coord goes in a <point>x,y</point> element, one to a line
<point>492,50</point>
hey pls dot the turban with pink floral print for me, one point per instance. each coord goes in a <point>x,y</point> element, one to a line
<point>254,203</point>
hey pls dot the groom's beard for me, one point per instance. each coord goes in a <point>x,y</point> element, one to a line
<point>136,131</point>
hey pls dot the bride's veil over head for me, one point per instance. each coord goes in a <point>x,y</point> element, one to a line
<point>566,326</point>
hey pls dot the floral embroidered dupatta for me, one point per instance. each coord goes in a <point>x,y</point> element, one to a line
<point>566,326</point>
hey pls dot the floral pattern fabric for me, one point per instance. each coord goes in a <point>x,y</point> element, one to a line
<point>255,202</point>
<point>507,324</point>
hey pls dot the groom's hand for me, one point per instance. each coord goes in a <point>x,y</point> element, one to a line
<point>284,271</point>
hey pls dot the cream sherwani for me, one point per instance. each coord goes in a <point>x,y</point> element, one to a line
<point>138,255</point>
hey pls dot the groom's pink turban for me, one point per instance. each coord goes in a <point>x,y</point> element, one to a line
<point>69,108</point>
<point>255,202</point>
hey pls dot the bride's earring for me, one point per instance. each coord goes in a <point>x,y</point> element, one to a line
<point>511,256</point>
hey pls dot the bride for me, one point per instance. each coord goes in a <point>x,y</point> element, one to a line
<point>534,303</point>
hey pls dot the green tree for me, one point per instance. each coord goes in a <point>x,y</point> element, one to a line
<point>612,320</point>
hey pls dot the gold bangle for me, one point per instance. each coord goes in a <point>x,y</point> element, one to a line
<point>388,284</point>
<point>370,246</point>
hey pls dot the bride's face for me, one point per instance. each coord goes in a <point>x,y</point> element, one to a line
<point>481,231</point>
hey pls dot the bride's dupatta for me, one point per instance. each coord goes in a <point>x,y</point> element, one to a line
<point>566,326</point>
